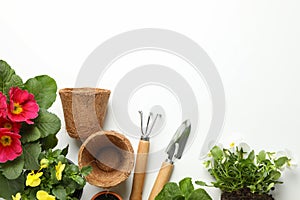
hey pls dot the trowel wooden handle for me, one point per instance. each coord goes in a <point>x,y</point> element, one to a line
<point>140,170</point>
<point>162,178</point>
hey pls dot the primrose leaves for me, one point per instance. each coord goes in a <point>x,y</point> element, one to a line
<point>184,191</point>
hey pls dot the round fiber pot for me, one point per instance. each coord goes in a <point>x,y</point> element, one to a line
<point>111,156</point>
<point>84,110</point>
<point>106,195</point>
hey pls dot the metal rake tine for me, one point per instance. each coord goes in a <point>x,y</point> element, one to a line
<point>153,123</point>
<point>141,116</point>
<point>148,121</point>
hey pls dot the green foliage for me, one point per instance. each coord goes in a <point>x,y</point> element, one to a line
<point>185,190</point>
<point>11,186</point>
<point>8,78</point>
<point>35,137</point>
<point>42,86</point>
<point>234,169</point>
<point>72,177</point>
<point>44,125</point>
<point>13,169</point>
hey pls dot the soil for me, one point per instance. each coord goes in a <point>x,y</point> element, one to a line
<point>245,194</point>
<point>107,197</point>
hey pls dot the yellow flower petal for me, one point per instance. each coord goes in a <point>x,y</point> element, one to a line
<point>59,168</point>
<point>17,197</point>
<point>33,179</point>
<point>44,163</point>
<point>43,195</point>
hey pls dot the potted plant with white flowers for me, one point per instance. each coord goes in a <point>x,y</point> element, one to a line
<point>241,174</point>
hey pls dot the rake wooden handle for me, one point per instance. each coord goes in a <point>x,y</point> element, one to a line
<point>140,170</point>
<point>162,178</point>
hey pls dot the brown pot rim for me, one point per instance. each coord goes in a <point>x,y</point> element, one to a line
<point>106,192</point>
<point>87,90</point>
<point>94,178</point>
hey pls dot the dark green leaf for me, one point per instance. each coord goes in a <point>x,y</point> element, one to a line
<point>44,125</point>
<point>199,194</point>
<point>60,193</point>
<point>8,78</point>
<point>281,161</point>
<point>169,191</point>
<point>65,150</point>
<point>186,186</point>
<point>49,142</point>
<point>13,169</point>
<point>11,187</point>
<point>31,155</point>
<point>44,90</point>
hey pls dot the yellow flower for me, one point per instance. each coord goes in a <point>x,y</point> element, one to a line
<point>44,163</point>
<point>232,144</point>
<point>17,197</point>
<point>43,195</point>
<point>33,179</point>
<point>59,168</point>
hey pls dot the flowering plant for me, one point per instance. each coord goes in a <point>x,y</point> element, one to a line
<point>26,127</point>
<point>56,178</point>
<point>240,169</point>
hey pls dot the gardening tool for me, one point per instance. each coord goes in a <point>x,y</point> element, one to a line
<point>174,150</point>
<point>142,157</point>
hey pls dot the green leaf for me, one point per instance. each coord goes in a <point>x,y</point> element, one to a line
<point>86,170</point>
<point>11,187</point>
<point>270,186</point>
<point>8,78</point>
<point>170,190</point>
<point>275,175</point>
<point>78,179</point>
<point>186,186</point>
<point>60,193</point>
<point>49,142</point>
<point>13,169</point>
<point>217,153</point>
<point>251,156</point>
<point>65,150</point>
<point>261,156</point>
<point>199,194</point>
<point>31,155</point>
<point>201,183</point>
<point>44,125</point>
<point>281,161</point>
<point>44,89</point>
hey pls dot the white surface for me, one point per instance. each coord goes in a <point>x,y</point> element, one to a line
<point>254,44</point>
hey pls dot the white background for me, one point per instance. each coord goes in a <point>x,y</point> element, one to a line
<point>254,44</point>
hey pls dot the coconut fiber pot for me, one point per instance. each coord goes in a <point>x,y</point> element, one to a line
<point>84,110</point>
<point>111,156</point>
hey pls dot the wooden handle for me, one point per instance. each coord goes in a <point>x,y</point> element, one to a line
<point>140,170</point>
<point>162,178</point>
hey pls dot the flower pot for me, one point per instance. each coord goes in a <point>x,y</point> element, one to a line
<point>245,194</point>
<point>106,195</point>
<point>111,156</point>
<point>84,110</point>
